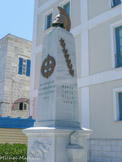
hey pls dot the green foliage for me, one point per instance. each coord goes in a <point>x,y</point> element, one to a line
<point>13,153</point>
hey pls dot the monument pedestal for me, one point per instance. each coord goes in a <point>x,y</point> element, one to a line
<point>57,135</point>
<point>57,145</point>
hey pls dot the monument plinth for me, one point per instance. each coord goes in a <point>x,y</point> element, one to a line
<point>57,135</point>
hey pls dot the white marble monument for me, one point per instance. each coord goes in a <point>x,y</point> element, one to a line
<point>58,97</point>
<point>57,135</point>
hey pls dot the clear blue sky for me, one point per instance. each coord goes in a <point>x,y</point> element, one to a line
<point>16,17</point>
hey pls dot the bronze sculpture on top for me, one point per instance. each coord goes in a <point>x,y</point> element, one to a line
<point>62,20</point>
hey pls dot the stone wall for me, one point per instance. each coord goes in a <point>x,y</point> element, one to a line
<point>3,52</point>
<point>105,150</point>
<point>15,86</point>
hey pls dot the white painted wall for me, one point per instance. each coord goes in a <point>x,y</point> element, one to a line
<point>93,23</point>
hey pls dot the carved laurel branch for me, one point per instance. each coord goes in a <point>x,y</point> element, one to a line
<point>66,55</point>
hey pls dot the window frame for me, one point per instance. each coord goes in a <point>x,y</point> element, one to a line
<point>69,7</point>
<point>112,4</point>
<point>116,103</point>
<point>47,26</point>
<point>117,46</point>
<point>24,69</point>
<point>24,58</point>
<point>64,3</point>
<point>45,19</point>
<point>24,103</point>
<point>120,105</point>
<point>113,42</point>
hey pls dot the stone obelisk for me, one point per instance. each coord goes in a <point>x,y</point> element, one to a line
<point>57,135</point>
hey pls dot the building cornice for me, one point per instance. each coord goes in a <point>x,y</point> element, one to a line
<point>16,38</point>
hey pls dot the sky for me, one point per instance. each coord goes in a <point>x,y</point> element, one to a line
<point>16,17</point>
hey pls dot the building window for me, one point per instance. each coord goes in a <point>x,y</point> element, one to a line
<point>67,8</point>
<point>117,100</point>
<point>118,56</point>
<point>115,2</point>
<point>23,106</point>
<point>24,67</point>
<point>48,21</point>
<point>120,105</point>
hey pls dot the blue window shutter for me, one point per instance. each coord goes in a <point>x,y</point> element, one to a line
<point>49,21</point>
<point>120,105</point>
<point>20,66</point>
<point>28,68</point>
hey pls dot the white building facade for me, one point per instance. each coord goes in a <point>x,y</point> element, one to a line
<point>15,55</point>
<point>97,28</point>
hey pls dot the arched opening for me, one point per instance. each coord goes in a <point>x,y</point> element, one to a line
<point>20,108</point>
<point>21,104</point>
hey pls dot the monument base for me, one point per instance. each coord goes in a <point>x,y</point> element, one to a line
<point>60,124</point>
<point>57,145</point>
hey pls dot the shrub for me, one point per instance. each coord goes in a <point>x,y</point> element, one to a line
<point>13,153</point>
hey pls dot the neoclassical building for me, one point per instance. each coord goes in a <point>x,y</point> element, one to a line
<point>97,28</point>
<point>15,56</point>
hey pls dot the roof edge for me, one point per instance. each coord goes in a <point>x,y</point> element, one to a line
<point>14,36</point>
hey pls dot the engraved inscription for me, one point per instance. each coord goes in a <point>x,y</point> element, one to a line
<point>67,94</point>
<point>47,88</point>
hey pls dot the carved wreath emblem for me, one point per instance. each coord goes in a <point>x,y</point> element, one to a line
<point>66,55</point>
<point>48,66</point>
